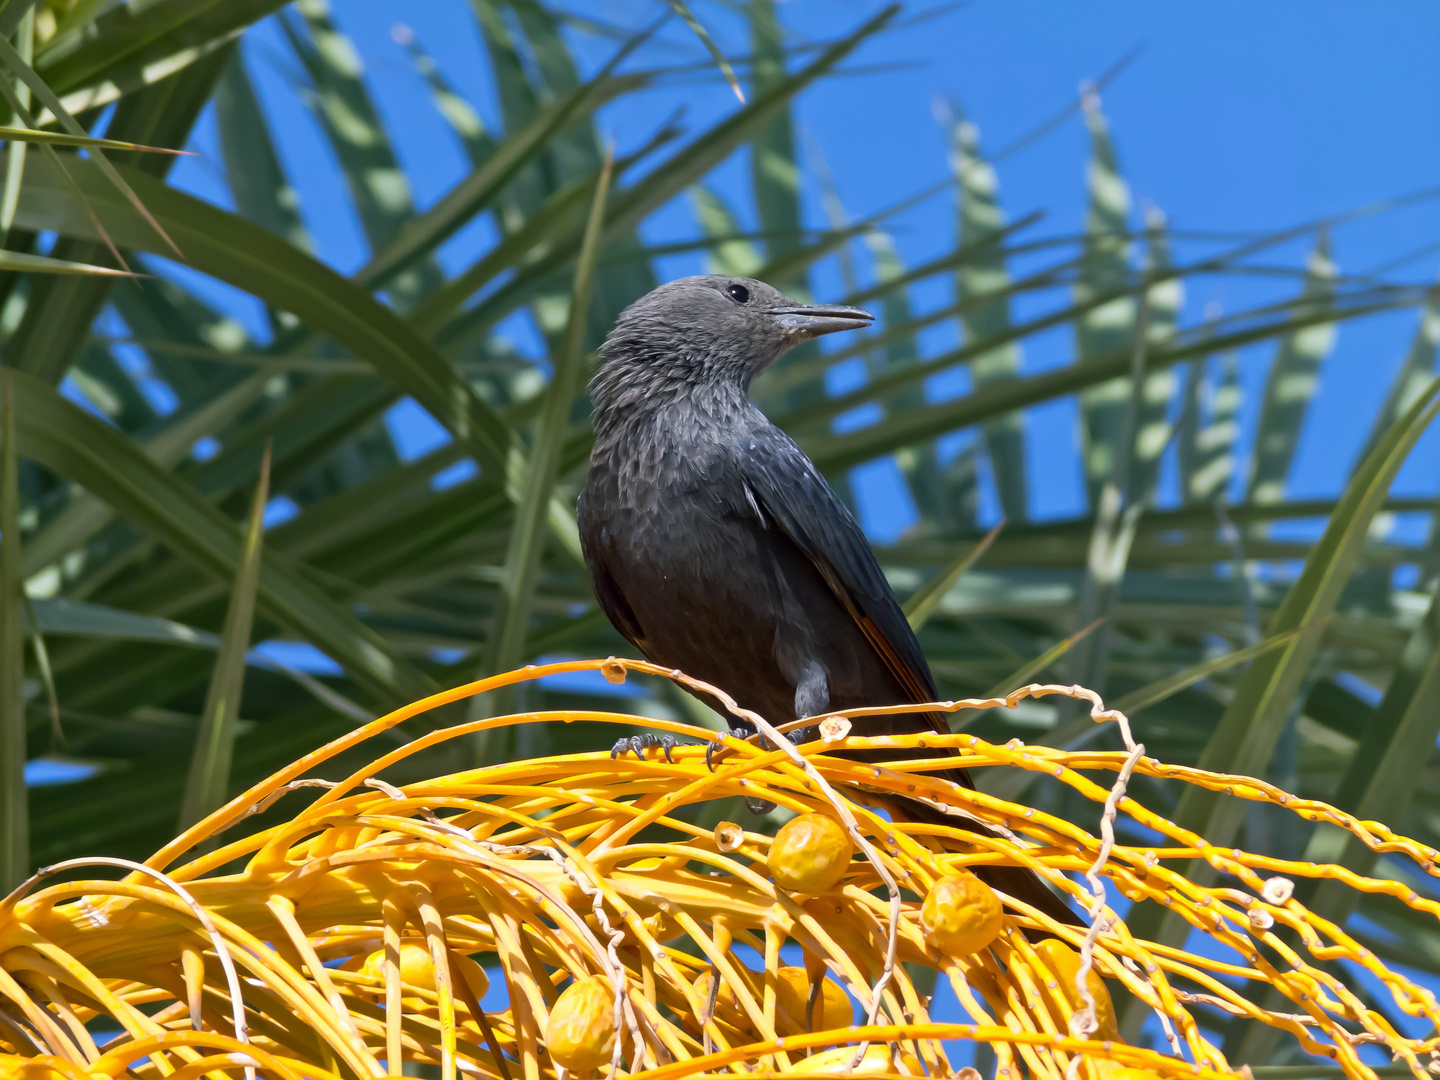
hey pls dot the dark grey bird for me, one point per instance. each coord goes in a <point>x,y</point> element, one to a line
<point>714,544</point>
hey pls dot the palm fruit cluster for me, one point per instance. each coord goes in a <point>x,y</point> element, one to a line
<point>587,915</point>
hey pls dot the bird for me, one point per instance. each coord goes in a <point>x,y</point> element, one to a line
<point>715,546</point>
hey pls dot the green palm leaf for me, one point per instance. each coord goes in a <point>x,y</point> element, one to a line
<point>1245,738</point>
<point>208,784</point>
<point>980,220</point>
<point>14,800</point>
<point>1105,329</point>
<point>1294,379</point>
<point>522,560</point>
<point>75,444</point>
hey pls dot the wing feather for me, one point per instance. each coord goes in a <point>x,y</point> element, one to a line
<point>797,499</point>
<point>607,590</point>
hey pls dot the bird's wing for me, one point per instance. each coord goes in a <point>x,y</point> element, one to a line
<point>607,590</point>
<point>797,499</point>
<point>613,603</point>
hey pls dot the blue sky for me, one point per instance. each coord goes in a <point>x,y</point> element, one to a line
<point>1233,117</point>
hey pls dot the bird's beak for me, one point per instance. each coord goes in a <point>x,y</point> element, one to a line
<point>806,321</point>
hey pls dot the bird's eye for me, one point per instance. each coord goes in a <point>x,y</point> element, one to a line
<point>738,293</point>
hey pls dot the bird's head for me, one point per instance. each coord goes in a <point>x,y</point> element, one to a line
<point>711,330</point>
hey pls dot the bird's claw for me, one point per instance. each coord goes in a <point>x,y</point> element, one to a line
<point>640,743</point>
<point>759,807</point>
<point>796,737</point>
<point>741,733</point>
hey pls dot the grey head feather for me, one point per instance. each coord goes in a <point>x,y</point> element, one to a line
<point>711,333</point>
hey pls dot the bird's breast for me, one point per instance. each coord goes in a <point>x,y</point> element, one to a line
<point>668,516</point>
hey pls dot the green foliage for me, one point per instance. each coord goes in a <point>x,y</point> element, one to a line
<point>137,558</point>
<point>14,815</point>
<point>207,787</point>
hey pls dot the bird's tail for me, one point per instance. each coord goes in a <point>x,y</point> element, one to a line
<point>1018,882</point>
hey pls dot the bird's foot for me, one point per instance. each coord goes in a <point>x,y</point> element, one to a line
<point>761,807</point>
<point>736,732</point>
<point>640,743</point>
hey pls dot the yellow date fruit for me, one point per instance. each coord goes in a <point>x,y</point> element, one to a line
<point>581,1031</point>
<point>876,1062</point>
<point>416,967</point>
<point>1064,961</point>
<point>961,915</point>
<point>810,854</point>
<point>832,1007</point>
